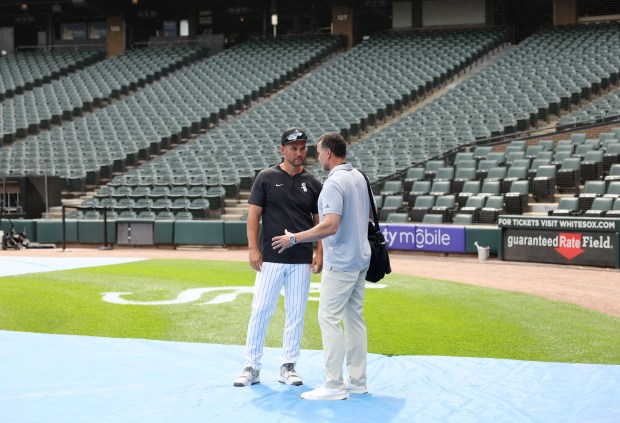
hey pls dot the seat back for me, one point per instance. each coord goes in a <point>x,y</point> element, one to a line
<point>546,144</point>
<point>521,187</point>
<point>613,190</point>
<point>487,164</point>
<point>532,151</point>
<point>397,218</point>
<point>424,201</point>
<point>594,187</point>
<point>499,156</point>
<point>481,152</point>
<point>536,163</point>
<point>463,219</point>
<point>613,149</point>
<point>432,218</point>
<point>545,154</point>
<point>546,171</point>
<point>440,187</point>
<point>578,138</point>
<point>393,201</point>
<point>571,163</point>
<point>607,136</point>
<point>463,164</point>
<point>421,187</point>
<point>475,201</point>
<point>498,172</point>
<point>465,173</point>
<point>560,156</point>
<point>593,156</point>
<point>516,172</point>
<point>614,170</point>
<point>433,165</point>
<point>165,215</point>
<point>414,173</point>
<point>127,214</point>
<point>146,215</point>
<point>582,149</point>
<point>511,157</point>
<point>444,174</point>
<point>568,203</point>
<point>602,204</point>
<point>471,187</point>
<point>447,201</point>
<point>495,202</point>
<point>463,155</point>
<point>490,187</point>
<point>392,187</point>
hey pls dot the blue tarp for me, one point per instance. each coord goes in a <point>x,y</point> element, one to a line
<point>60,378</point>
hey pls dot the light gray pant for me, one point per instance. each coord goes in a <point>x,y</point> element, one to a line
<point>342,300</point>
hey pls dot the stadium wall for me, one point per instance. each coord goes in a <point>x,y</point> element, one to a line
<point>593,242</point>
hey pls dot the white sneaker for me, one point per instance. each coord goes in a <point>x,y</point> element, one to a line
<point>323,393</point>
<point>249,377</point>
<point>355,389</point>
<point>289,376</point>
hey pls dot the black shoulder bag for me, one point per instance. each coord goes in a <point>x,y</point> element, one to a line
<point>379,258</point>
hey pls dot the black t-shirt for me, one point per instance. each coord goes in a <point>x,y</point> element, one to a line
<point>288,202</point>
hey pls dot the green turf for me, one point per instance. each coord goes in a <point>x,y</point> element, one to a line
<point>412,316</point>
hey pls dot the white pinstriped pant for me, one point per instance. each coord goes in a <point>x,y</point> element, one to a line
<point>295,278</point>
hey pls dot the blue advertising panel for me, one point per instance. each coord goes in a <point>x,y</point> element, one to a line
<point>170,28</point>
<point>97,31</point>
<point>73,31</point>
<point>448,238</point>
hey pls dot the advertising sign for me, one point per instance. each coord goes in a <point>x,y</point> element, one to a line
<point>449,239</point>
<point>97,30</point>
<point>561,240</point>
<point>170,28</point>
<point>562,247</point>
<point>73,31</point>
<point>559,223</point>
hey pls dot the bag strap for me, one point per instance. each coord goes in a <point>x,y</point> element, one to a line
<point>372,200</point>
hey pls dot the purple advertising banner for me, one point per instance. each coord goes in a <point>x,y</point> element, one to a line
<point>449,239</point>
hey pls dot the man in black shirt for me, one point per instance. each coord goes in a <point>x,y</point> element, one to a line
<point>285,196</point>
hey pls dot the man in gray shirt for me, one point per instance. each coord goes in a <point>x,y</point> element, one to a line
<point>344,209</point>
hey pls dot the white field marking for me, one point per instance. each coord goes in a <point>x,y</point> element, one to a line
<point>194,294</point>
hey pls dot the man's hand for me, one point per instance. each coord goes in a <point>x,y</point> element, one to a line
<point>317,263</point>
<point>282,242</point>
<point>256,260</point>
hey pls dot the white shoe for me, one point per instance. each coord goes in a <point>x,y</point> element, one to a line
<point>289,376</point>
<point>323,393</point>
<point>355,389</point>
<point>249,377</point>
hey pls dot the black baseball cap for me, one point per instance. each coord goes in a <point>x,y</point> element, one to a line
<point>292,135</point>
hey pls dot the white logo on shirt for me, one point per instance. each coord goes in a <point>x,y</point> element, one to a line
<point>303,186</point>
<point>279,185</point>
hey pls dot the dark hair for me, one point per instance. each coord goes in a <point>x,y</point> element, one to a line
<point>333,141</point>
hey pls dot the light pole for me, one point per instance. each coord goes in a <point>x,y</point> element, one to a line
<point>274,23</point>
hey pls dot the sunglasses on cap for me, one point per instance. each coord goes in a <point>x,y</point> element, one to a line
<point>296,135</point>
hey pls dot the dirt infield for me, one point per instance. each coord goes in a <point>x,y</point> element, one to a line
<point>590,287</point>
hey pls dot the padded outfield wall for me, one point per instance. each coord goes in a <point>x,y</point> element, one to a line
<point>558,240</point>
